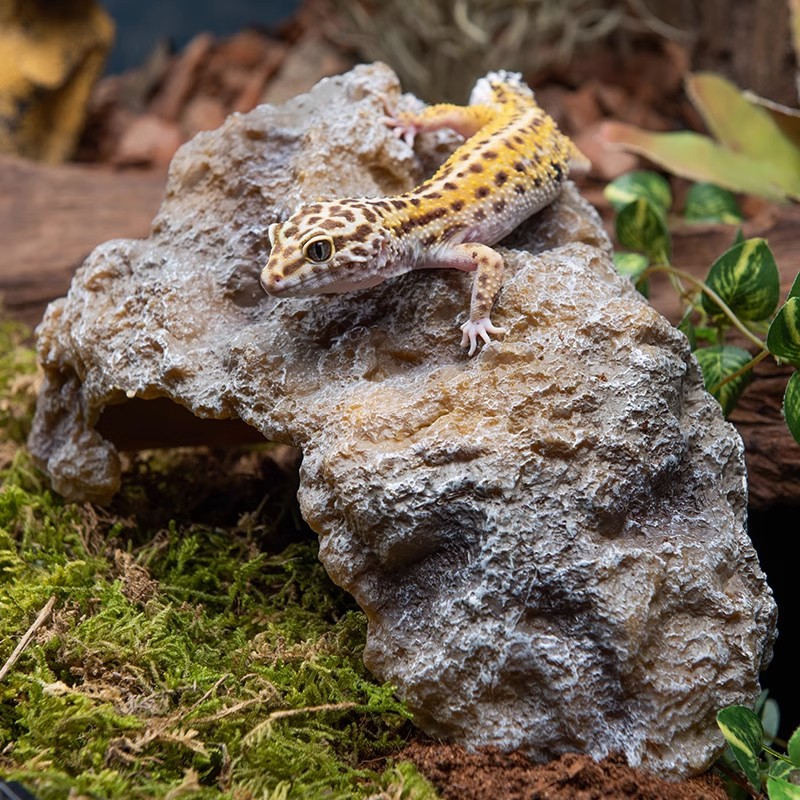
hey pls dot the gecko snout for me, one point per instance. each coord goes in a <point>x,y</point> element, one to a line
<point>272,282</point>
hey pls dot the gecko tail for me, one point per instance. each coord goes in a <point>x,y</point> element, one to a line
<point>579,162</point>
<point>483,91</point>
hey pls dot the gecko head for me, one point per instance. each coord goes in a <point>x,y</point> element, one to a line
<point>326,247</point>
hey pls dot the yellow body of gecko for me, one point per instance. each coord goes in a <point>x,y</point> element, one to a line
<point>511,165</point>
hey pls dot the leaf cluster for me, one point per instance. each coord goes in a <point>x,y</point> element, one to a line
<point>754,147</point>
<point>750,749</point>
<point>740,293</point>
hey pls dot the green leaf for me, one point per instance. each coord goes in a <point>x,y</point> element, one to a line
<point>780,769</point>
<point>638,184</point>
<point>706,334</point>
<point>707,202</point>
<point>779,789</point>
<point>785,117</point>
<point>738,124</point>
<point>793,749</point>
<point>739,238</point>
<point>746,279</point>
<point>700,158</point>
<point>791,409</point>
<point>783,336</point>
<point>717,363</point>
<point>770,719</point>
<point>743,732</point>
<point>642,227</point>
<point>795,290</point>
<point>686,327</point>
<point>632,265</point>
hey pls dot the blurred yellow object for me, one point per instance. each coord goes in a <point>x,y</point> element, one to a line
<point>51,54</point>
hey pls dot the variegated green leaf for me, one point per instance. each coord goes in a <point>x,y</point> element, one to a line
<point>780,789</point>
<point>783,336</point>
<point>632,265</point>
<point>739,238</point>
<point>643,184</point>
<point>795,290</point>
<point>746,279</point>
<point>642,227</point>
<point>780,769</point>
<point>793,750</point>
<point>717,363</point>
<point>791,413</point>
<point>707,334</point>
<point>707,202</point>
<point>742,730</point>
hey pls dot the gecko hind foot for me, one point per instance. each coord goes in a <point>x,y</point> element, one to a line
<point>472,329</point>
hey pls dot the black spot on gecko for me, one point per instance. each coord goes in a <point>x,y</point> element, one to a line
<point>500,177</point>
<point>348,215</point>
<point>519,188</point>
<point>499,206</point>
<point>368,214</point>
<point>476,167</point>
<point>398,204</point>
<point>362,231</point>
<point>519,166</point>
<point>480,214</point>
<point>451,187</point>
<point>489,154</point>
<point>430,240</point>
<point>457,205</point>
<point>415,201</point>
<point>482,191</point>
<point>432,195</point>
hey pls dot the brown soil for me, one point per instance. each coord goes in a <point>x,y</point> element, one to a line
<point>492,775</point>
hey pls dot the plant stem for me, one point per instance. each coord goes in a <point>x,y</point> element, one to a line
<point>735,321</point>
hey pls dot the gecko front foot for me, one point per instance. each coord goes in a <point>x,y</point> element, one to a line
<point>402,128</point>
<point>471,330</point>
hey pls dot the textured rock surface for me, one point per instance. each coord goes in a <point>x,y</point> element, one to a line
<point>548,539</point>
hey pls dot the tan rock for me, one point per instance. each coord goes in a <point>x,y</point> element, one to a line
<point>548,539</point>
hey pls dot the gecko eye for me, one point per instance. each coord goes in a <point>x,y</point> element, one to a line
<point>319,249</point>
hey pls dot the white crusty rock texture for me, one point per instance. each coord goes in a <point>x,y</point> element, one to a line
<point>548,538</point>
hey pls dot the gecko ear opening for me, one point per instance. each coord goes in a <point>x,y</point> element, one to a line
<point>271,233</point>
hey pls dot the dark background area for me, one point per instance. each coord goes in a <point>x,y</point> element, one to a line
<point>141,25</point>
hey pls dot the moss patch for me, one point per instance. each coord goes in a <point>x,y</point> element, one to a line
<point>186,641</point>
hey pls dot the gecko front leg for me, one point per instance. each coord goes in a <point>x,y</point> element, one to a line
<point>488,267</point>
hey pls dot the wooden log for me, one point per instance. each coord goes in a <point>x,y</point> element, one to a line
<point>52,217</point>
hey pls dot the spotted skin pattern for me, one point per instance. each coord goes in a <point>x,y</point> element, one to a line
<point>511,165</point>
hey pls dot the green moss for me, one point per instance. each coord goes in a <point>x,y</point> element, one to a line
<point>194,648</point>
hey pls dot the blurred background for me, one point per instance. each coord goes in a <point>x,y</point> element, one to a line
<point>141,26</point>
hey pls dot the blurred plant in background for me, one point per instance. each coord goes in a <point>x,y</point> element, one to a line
<point>439,49</point>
